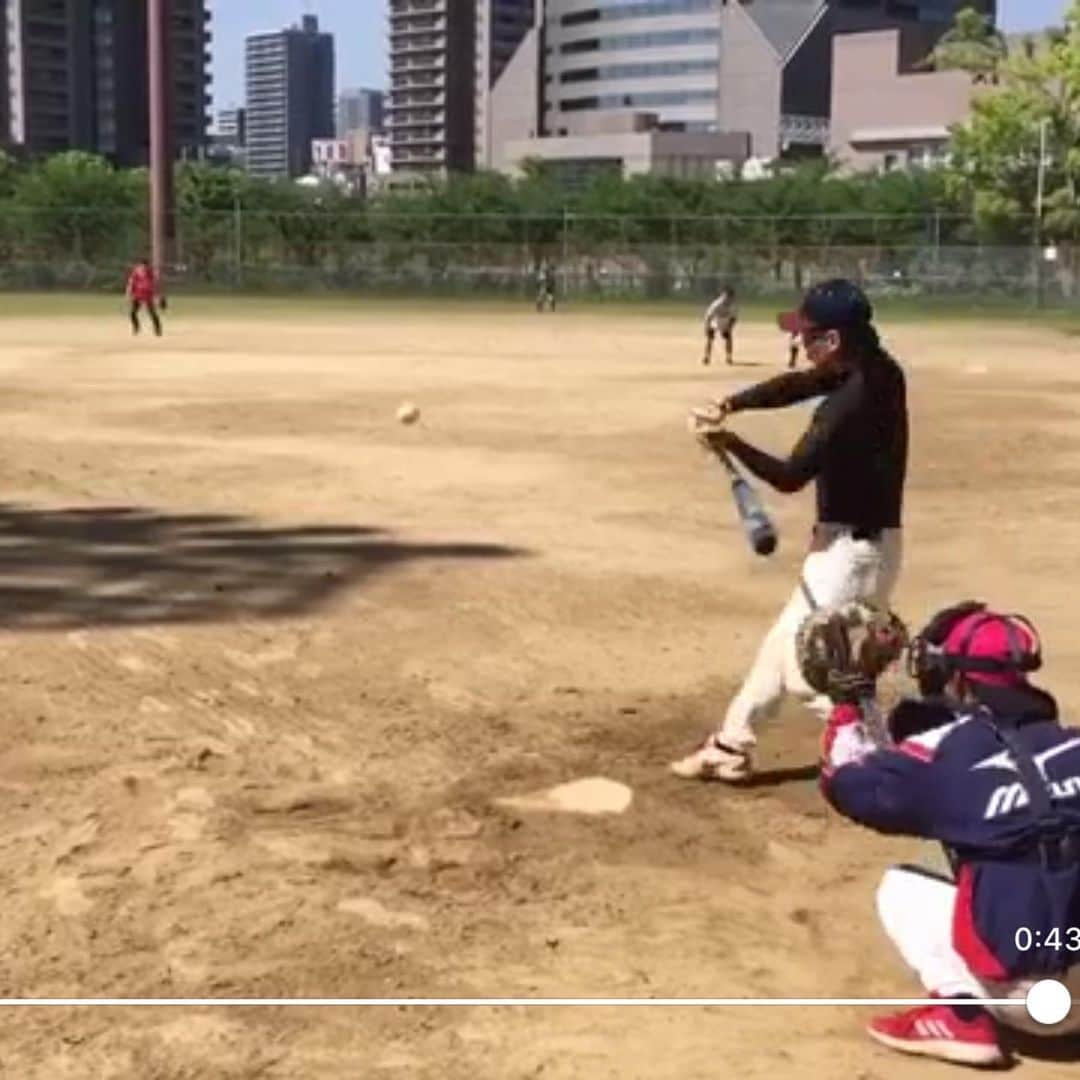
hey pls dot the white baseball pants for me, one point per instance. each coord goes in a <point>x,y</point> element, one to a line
<point>916,910</point>
<point>839,571</point>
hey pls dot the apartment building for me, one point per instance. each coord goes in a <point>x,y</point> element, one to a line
<point>609,56</point>
<point>75,72</point>
<point>290,97</point>
<point>430,113</point>
<point>360,109</point>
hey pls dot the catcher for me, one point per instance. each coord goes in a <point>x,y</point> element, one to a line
<point>982,765</point>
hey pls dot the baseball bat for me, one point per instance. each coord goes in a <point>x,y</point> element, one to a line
<point>756,523</point>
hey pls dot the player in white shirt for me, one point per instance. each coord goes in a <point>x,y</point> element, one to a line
<point>720,318</point>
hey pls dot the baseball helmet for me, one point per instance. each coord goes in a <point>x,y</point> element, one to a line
<point>989,649</point>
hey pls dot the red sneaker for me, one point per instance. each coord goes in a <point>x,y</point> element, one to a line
<point>936,1031</point>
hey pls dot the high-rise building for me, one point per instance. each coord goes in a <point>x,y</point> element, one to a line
<point>660,85</point>
<point>76,76</point>
<point>431,107</point>
<point>229,137</point>
<point>290,97</point>
<point>502,27</point>
<point>606,56</point>
<point>359,110</point>
<point>232,126</point>
<point>49,56</point>
<point>5,81</point>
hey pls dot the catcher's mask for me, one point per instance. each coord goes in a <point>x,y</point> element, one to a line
<point>987,648</point>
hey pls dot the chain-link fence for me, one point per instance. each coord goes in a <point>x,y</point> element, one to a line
<point>925,257</point>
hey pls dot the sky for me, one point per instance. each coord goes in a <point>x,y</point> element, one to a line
<point>359,27</point>
<point>1016,14</point>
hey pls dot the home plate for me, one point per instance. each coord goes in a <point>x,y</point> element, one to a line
<point>976,369</point>
<point>593,795</point>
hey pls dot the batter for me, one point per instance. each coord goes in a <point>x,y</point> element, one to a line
<point>856,449</point>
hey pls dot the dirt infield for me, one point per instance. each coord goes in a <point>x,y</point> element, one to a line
<point>271,658</point>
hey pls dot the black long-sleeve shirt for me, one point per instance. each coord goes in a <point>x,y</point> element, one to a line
<point>856,446</point>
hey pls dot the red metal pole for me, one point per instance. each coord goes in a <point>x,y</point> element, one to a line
<point>161,156</point>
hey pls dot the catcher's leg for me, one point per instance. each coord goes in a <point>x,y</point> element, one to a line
<point>916,911</point>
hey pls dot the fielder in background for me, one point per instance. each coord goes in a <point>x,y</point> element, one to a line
<point>720,318</point>
<point>143,290</point>
<point>793,351</point>
<point>545,287</point>
<point>982,765</point>
<point>856,449</point>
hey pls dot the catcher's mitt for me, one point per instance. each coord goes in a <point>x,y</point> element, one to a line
<point>853,643</point>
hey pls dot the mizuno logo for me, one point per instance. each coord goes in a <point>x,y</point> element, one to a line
<point>1014,796</point>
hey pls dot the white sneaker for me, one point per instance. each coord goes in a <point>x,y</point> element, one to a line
<point>715,761</point>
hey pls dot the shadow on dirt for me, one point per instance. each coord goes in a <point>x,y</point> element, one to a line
<point>122,566</point>
<point>1031,1047</point>
<point>772,778</point>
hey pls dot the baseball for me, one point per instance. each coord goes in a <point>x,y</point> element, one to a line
<point>408,413</point>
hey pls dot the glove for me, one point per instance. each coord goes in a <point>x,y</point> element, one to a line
<point>842,651</point>
<point>849,687</point>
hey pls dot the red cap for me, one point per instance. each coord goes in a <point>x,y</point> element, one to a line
<point>991,641</point>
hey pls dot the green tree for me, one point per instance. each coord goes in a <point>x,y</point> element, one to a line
<point>973,44</point>
<point>996,152</point>
<point>77,205</point>
<point>9,174</point>
<point>209,204</point>
<point>312,223</point>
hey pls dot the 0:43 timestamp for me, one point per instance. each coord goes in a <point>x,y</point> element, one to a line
<point>1067,938</point>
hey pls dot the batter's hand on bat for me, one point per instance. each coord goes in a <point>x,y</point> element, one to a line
<point>710,418</point>
<point>707,432</point>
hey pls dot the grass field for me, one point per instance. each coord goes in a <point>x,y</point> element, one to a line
<point>271,658</point>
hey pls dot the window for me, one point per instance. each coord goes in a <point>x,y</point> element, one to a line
<point>638,101</point>
<point>637,9</point>
<point>667,69</point>
<point>659,40</point>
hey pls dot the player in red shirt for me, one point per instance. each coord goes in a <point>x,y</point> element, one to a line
<point>143,291</point>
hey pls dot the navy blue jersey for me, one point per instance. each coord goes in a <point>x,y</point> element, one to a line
<point>1015,857</point>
